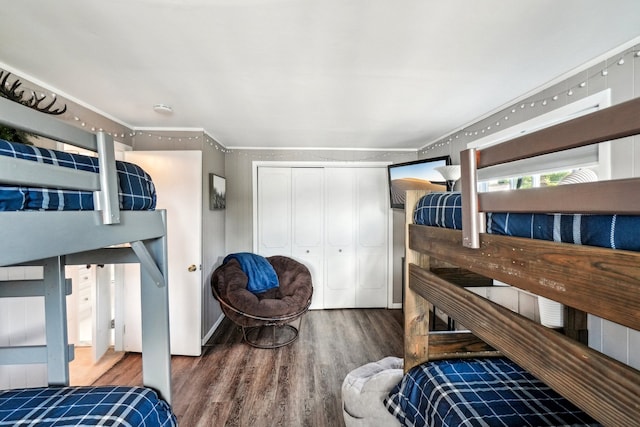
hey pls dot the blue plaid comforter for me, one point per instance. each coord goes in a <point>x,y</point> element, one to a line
<point>609,231</point>
<point>86,406</point>
<point>479,392</point>
<point>136,190</point>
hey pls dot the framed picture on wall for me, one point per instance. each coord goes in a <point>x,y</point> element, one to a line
<point>217,192</point>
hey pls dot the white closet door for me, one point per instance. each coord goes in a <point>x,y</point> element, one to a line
<point>307,185</point>
<point>336,221</point>
<point>372,224</point>
<point>340,205</point>
<point>274,211</point>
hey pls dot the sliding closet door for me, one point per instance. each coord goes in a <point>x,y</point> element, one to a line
<point>290,216</point>
<point>274,211</point>
<point>372,224</point>
<point>340,256</point>
<point>357,238</point>
<point>307,213</point>
<point>335,220</point>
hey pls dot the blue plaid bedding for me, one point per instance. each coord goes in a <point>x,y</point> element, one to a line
<point>479,392</point>
<point>609,231</point>
<point>439,210</point>
<point>85,406</point>
<point>136,190</point>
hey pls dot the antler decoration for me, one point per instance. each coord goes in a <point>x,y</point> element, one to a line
<point>14,93</point>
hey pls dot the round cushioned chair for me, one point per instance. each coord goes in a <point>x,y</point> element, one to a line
<point>265,317</point>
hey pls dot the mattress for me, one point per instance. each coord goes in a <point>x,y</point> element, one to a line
<point>86,406</point>
<point>479,392</point>
<point>609,231</point>
<point>136,190</point>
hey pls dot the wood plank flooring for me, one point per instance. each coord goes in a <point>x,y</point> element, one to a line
<point>233,384</point>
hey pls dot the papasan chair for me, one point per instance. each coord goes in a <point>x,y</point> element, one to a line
<point>265,316</point>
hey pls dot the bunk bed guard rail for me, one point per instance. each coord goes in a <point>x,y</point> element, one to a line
<point>23,172</point>
<point>619,121</point>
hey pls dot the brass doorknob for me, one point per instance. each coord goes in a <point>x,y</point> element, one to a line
<point>192,268</point>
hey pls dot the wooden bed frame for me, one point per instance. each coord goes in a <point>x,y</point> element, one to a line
<point>54,239</point>
<point>604,282</point>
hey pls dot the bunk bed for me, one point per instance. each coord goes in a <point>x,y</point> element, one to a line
<point>442,262</point>
<point>112,231</point>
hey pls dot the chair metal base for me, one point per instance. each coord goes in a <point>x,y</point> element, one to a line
<point>270,336</point>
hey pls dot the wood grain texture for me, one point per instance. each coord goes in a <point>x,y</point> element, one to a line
<point>416,309</point>
<point>595,280</point>
<point>233,384</point>
<point>606,389</point>
<point>458,345</point>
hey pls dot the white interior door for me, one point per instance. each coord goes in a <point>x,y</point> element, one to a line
<point>177,176</point>
<point>101,324</point>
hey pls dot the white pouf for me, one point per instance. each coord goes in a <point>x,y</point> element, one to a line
<point>363,392</point>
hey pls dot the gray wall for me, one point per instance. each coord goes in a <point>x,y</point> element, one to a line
<point>623,80</point>
<point>239,222</point>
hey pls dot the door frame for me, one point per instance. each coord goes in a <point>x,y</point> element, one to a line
<point>345,164</point>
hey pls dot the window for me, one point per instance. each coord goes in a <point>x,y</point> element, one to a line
<point>527,181</point>
<point>550,168</point>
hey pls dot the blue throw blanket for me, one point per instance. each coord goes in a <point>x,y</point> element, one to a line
<point>261,274</point>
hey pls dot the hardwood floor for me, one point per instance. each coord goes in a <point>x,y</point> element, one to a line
<point>233,384</point>
<point>83,370</point>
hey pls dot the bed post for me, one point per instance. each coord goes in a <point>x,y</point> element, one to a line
<point>55,307</point>
<point>107,197</point>
<point>156,348</point>
<point>472,220</point>
<point>416,309</point>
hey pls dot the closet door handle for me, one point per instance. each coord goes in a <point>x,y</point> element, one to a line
<point>192,268</point>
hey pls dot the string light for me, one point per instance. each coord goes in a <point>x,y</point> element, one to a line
<point>603,72</point>
<point>194,138</point>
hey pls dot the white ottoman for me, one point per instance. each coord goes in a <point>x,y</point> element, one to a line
<point>363,392</point>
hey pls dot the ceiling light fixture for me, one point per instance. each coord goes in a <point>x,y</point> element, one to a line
<point>162,109</point>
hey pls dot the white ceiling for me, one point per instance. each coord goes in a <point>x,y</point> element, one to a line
<point>379,74</point>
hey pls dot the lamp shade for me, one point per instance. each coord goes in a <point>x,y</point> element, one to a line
<point>449,172</point>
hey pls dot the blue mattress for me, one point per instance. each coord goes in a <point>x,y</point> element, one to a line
<point>85,406</point>
<point>136,189</point>
<point>479,392</point>
<point>609,231</point>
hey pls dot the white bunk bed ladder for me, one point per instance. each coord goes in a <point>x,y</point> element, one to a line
<point>24,172</point>
<point>145,231</point>
<point>56,353</point>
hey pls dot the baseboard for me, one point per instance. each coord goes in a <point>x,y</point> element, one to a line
<point>213,328</point>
